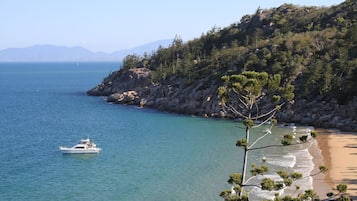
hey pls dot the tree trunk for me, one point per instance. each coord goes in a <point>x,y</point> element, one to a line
<point>245,161</point>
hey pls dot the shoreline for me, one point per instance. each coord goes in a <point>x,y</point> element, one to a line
<point>319,184</point>
<point>338,151</point>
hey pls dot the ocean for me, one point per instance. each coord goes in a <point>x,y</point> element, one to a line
<point>146,155</point>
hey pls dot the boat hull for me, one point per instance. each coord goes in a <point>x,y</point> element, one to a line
<point>66,150</point>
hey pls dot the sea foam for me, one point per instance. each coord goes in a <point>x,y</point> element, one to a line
<point>288,160</point>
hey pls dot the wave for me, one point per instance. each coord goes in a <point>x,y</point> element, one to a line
<point>304,164</point>
<point>295,158</point>
<point>288,160</point>
<point>298,160</point>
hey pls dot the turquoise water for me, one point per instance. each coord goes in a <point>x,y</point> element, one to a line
<point>146,155</point>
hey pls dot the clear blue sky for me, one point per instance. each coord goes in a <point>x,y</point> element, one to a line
<point>109,25</point>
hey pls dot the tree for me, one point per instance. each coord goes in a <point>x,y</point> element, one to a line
<point>131,61</point>
<point>340,195</point>
<point>241,95</point>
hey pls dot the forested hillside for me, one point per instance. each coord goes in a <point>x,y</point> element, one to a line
<point>313,48</point>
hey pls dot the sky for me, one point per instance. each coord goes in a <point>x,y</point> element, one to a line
<point>111,25</point>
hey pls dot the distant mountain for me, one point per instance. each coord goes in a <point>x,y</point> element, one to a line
<point>140,50</point>
<point>43,53</point>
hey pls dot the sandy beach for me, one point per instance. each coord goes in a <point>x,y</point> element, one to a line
<point>338,151</point>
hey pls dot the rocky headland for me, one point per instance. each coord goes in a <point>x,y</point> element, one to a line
<point>134,87</point>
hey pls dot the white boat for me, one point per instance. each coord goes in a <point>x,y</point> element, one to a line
<point>85,146</point>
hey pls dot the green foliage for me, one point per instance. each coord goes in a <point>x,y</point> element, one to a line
<point>269,184</point>
<point>131,61</point>
<point>256,170</point>
<point>344,198</point>
<point>289,178</point>
<point>237,188</point>
<point>276,98</point>
<point>225,193</point>
<point>286,198</point>
<point>248,84</point>
<point>341,188</point>
<point>238,78</point>
<point>314,133</point>
<point>289,92</point>
<point>330,194</point>
<point>242,143</point>
<point>310,194</point>
<point>296,175</point>
<point>287,139</point>
<point>225,78</point>
<point>288,181</point>
<point>244,198</point>
<point>283,174</point>
<point>222,93</point>
<point>303,138</point>
<point>235,178</point>
<point>229,196</point>
<point>237,87</point>
<point>323,168</point>
<point>248,123</point>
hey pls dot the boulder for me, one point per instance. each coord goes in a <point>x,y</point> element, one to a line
<point>127,97</point>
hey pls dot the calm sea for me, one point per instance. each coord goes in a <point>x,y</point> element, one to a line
<point>146,155</point>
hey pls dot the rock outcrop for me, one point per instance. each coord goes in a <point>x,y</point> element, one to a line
<point>321,113</point>
<point>176,95</point>
<point>179,95</point>
<point>119,82</point>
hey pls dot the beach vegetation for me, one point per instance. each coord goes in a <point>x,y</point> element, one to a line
<point>314,133</point>
<point>344,198</point>
<point>323,168</point>
<point>340,193</point>
<point>287,140</point>
<point>310,195</point>
<point>341,188</point>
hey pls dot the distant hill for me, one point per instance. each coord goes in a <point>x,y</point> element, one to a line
<point>140,50</point>
<point>43,53</point>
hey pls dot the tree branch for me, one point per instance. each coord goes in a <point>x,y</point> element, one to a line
<point>232,109</point>
<point>239,97</point>
<point>245,105</point>
<point>257,140</point>
<point>266,114</point>
<point>265,121</point>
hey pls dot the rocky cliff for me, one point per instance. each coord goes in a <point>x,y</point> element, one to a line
<point>134,87</point>
<point>177,95</point>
